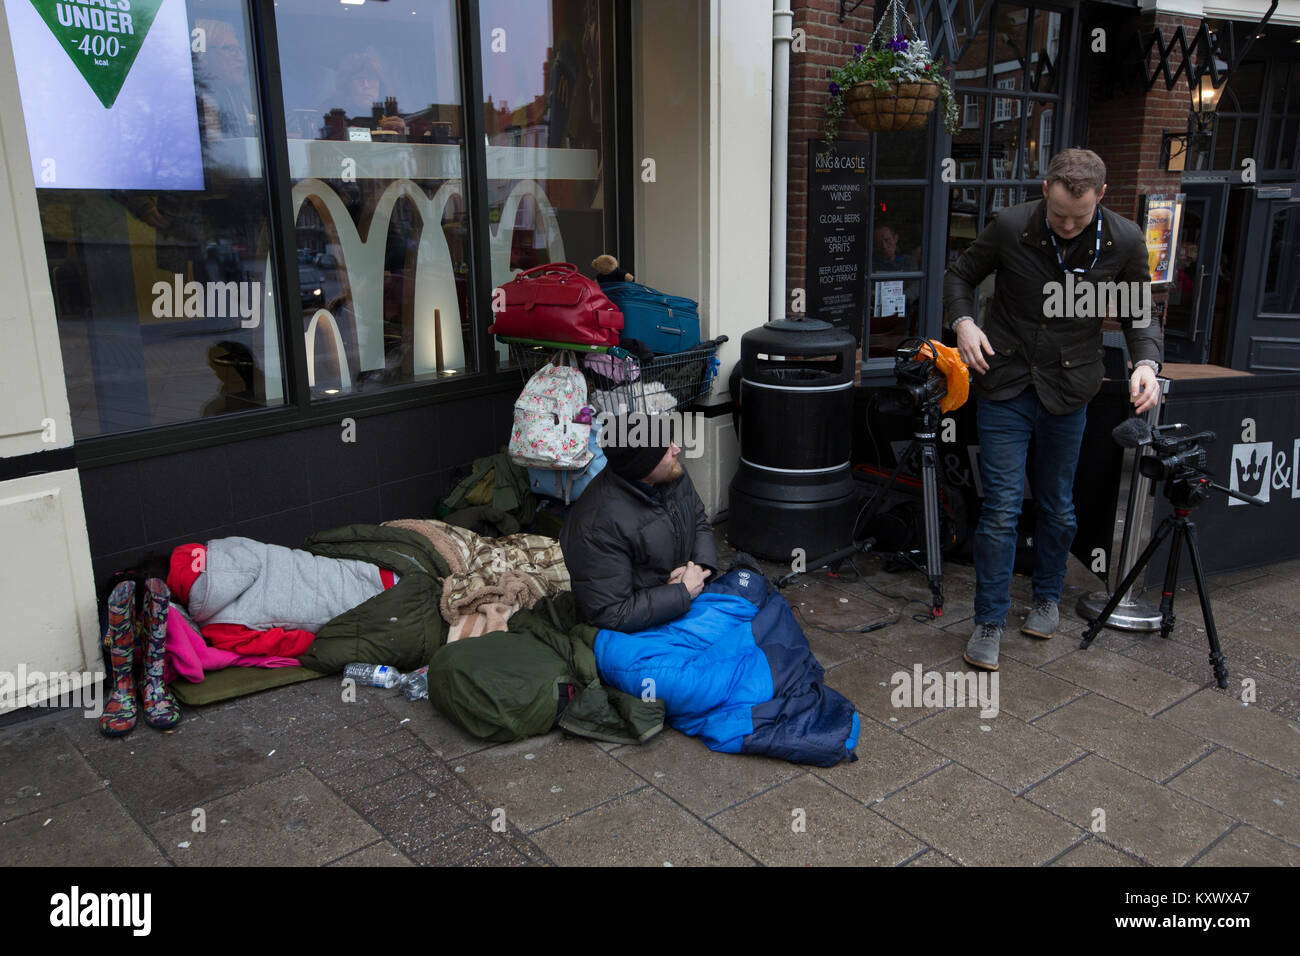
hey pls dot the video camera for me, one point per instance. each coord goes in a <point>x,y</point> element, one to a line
<point>920,383</point>
<point>1175,453</point>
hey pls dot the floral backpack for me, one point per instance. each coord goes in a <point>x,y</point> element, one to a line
<point>545,434</point>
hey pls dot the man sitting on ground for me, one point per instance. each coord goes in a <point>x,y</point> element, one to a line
<point>637,544</point>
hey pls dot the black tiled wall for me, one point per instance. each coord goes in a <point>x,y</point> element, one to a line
<point>282,488</point>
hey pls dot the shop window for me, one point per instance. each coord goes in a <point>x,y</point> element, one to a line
<point>148,164</point>
<point>376,155</point>
<point>548,129</point>
<point>897,251</point>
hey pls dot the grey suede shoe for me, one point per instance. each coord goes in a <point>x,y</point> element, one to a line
<point>982,648</point>
<point>1043,620</point>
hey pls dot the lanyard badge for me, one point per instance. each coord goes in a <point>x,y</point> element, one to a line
<point>1096,255</point>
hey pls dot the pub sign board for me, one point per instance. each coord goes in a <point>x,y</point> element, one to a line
<point>837,233</point>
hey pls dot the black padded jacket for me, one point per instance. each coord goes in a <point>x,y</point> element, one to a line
<point>620,544</point>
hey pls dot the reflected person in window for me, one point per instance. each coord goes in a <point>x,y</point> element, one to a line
<point>222,83</point>
<point>358,99</point>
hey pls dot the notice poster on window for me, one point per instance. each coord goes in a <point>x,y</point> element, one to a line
<point>1164,217</point>
<point>837,234</point>
<point>107,90</point>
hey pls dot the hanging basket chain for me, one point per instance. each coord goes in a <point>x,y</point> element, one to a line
<point>891,16</point>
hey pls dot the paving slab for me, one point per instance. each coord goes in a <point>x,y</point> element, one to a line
<point>830,607</point>
<point>1093,852</point>
<point>644,828</point>
<point>977,823</point>
<point>1034,651</point>
<point>1273,588</point>
<point>1120,678</point>
<point>1028,692</point>
<point>1190,661</point>
<point>1245,789</point>
<point>700,780</point>
<point>1248,730</point>
<point>155,774</point>
<point>887,760</point>
<point>545,779</point>
<point>930,858</point>
<point>434,730</point>
<point>1124,736</point>
<point>39,767</point>
<point>867,683</point>
<point>831,649</point>
<point>382,853</point>
<point>1275,630</point>
<point>93,830</point>
<point>1246,846</point>
<point>1004,748</point>
<point>909,643</point>
<point>1140,816</point>
<point>292,820</point>
<point>806,823</point>
<point>420,818</point>
<point>461,846</point>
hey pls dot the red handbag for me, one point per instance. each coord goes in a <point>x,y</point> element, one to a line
<point>554,302</point>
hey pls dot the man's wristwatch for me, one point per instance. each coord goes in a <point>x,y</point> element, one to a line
<point>958,321</point>
<point>1149,363</point>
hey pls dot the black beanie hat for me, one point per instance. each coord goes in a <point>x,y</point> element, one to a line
<point>633,462</point>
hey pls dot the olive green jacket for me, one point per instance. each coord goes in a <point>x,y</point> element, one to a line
<point>1045,333</point>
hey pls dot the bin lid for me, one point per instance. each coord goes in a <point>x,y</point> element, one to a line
<point>799,337</point>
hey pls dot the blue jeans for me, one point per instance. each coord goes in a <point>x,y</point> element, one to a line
<point>1005,430</point>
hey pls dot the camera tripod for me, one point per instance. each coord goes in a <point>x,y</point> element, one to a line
<point>1184,493</point>
<point>924,436</point>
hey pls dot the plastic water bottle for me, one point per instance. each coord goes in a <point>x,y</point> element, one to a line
<point>415,685</point>
<point>372,675</point>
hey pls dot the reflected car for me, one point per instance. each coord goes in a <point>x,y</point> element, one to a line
<point>326,261</point>
<point>311,286</point>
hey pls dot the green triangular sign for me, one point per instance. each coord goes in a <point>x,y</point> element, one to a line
<point>101,40</point>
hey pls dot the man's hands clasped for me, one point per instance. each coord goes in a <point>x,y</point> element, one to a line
<point>692,575</point>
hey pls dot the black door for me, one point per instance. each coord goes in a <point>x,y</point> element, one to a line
<point>1268,338</point>
<point>1189,316</point>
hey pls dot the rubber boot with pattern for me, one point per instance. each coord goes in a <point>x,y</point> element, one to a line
<point>119,640</point>
<point>161,711</point>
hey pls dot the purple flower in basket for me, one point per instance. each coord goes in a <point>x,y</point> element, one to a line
<point>858,49</point>
<point>835,89</point>
<point>898,43</point>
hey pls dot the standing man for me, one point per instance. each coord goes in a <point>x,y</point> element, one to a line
<point>1037,363</point>
<point>638,544</point>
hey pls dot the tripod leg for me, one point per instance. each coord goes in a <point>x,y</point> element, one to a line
<point>1167,619</point>
<point>1217,659</point>
<point>1091,631</point>
<point>933,548</point>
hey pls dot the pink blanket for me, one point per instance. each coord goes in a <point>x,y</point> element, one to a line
<point>188,655</point>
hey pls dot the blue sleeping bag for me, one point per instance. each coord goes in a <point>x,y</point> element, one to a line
<point>737,671</point>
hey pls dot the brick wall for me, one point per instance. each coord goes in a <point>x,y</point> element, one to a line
<point>829,43</point>
<point>1126,131</point>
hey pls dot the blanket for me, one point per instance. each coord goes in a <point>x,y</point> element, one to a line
<point>737,671</point>
<point>487,573</point>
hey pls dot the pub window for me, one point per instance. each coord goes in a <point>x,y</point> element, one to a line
<point>148,165</point>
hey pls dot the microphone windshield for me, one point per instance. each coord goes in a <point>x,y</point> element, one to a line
<point>1132,433</point>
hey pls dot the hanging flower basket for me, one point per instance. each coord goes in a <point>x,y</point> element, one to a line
<point>903,106</point>
<point>890,85</point>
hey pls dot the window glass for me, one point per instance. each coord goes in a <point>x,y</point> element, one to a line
<point>548,129</point>
<point>376,153</point>
<point>1040,130</point>
<point>972,67</point>
<point>1045,52</point>
<point>1010,44</point>
<point>147,159</point>
<point>894,309</point>
<point>902,155</point>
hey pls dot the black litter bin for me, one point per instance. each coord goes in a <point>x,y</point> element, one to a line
<point>794,488</point>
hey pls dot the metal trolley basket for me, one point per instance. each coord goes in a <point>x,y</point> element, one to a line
<point>618,382</point>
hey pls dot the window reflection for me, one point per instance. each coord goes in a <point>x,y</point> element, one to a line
<point>373,109</point>
<point>159,269</point>
<point>548,129</point>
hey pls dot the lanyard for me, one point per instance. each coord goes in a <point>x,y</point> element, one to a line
<point>1096,256</point>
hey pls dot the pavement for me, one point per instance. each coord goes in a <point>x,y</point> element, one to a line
<point>1125,754</point>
